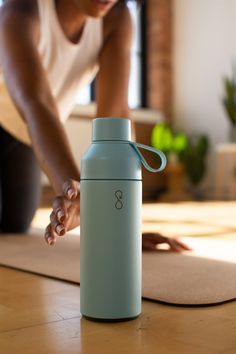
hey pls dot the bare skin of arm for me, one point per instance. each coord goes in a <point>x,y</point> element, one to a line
<point>28,86</point>
<point>113,76</point>
<point>112,93</point>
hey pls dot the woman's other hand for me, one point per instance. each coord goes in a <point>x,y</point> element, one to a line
<point>66,212</point>
<point>150,241</point>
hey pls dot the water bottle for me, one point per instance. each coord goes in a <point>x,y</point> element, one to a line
<point>110,229</point>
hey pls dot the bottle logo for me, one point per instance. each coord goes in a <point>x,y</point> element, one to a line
<point>119,196</point>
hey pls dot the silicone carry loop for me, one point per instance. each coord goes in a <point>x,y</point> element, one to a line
<point>136,147</point>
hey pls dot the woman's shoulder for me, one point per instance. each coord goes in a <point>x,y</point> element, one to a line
<point>21,7</point>
<point>118,18</point>
<point>14,12</point>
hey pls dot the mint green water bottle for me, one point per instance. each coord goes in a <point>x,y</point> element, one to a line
<point>110,230</point>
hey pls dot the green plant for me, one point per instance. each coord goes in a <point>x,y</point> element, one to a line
<point>191,152</point>
<point>166,140</point>
<point>229,98</point>
<point>195,158</point>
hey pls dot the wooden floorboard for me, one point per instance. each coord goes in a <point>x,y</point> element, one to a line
<point>41,316</point>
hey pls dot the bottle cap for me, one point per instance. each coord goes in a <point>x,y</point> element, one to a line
<point>111,129</point>
<point>113,156</point>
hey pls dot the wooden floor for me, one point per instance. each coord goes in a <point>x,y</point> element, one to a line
<point>41,316</point>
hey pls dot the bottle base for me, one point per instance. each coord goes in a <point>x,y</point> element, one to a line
<point>110,320</point>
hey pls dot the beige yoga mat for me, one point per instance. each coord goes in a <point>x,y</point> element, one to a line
<point>202,277</point>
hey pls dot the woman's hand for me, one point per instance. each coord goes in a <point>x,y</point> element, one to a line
<point>150,241</point>
<point>66,212</point>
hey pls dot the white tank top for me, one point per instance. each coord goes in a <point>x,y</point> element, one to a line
<point>69,67</point>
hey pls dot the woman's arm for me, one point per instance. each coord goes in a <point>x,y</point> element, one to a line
<point>28,86</point>
<point>114,63</point>
<point>112,83</point>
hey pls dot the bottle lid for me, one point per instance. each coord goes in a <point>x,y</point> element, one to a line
<point>112,155</point>
<point>111,129</point>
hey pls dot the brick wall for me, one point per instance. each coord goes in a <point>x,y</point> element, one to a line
<point>159,51</point>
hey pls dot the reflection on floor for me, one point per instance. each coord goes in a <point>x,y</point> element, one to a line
<point>198,219</point>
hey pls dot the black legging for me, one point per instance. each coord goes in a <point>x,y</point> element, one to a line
<point>19,184</point>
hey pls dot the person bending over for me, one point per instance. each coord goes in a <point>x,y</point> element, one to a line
<point>49,50</point>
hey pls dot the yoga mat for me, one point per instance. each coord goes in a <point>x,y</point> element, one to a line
<point>204,276</point>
